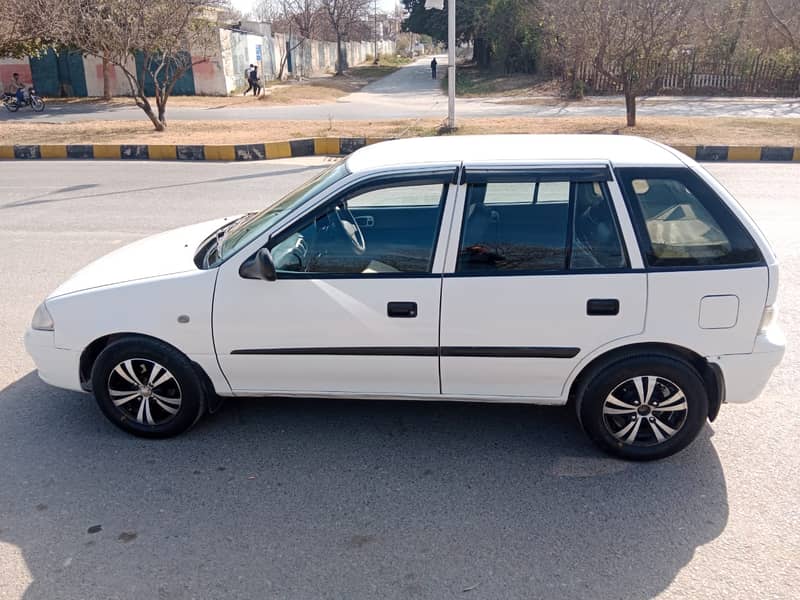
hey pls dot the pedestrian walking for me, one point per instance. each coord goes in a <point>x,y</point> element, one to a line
<point>254,80</point>
<point>248,77</point>
<point>433,67</point>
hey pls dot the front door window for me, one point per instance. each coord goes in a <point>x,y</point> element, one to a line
<point>388,230</point>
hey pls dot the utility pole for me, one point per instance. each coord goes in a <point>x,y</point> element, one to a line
<point>451,64</point>
<point>451,57</point>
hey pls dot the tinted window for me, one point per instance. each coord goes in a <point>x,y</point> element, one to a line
<point>683,222</point>
<point>399,226</point>
<point>596,241</point>
<point>526,227</point>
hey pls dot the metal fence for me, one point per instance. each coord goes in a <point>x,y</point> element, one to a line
<point>758,77</point>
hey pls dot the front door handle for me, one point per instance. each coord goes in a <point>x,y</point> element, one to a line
<point>402,310</point>
<point>602,307</point>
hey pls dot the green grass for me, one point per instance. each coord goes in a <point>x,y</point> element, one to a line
<point>471,81</point>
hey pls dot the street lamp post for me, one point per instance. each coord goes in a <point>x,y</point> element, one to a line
<point>451,64</point>
<point>451,56</point>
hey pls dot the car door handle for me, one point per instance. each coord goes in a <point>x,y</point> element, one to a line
<point>602,307</point>
<point>402,310</point>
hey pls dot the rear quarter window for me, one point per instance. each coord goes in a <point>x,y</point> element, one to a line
<point>682,222</point>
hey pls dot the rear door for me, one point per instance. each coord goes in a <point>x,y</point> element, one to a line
<point>537,278</point>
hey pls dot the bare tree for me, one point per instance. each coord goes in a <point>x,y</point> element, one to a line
<point>298,19</point>
<point>153,42</point>
<point>14,39</point>
<point>344,16</point>
<point>628,41</point>
<point>22,26</point>
<point>784,16</point>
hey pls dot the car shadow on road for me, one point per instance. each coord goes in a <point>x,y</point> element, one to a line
<point>342,499</point>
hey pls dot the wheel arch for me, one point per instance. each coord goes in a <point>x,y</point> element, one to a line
<point>710,373</point>
<point>92,351</point>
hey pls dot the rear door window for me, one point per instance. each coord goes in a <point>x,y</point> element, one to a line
<point>538,226</point>
<point>681,222</point>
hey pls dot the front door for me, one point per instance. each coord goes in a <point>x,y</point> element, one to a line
<point>355,308</point>
<point>538,281</point>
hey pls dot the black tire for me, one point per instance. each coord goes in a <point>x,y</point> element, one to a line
<point>37,104</point>
<point>11,106</point>
<point>182,392</point>
<point>669,400</point>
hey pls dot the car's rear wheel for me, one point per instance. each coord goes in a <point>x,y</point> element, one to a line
<point>644,408</point>
<point>147,388</point>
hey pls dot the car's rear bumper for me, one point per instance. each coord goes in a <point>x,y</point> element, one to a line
<point>56,366</point>
<point>746,375</point>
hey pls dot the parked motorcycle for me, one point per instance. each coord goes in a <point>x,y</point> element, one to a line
<point>12,104</point>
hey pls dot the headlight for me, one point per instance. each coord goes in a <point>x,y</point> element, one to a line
<point>42,319</point>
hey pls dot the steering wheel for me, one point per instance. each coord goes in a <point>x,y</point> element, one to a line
<point>346,223</point>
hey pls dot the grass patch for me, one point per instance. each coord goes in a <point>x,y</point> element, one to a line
<point>670,130</point>
<point>472,82</point>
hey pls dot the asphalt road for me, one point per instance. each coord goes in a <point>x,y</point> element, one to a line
<point>343,499</point>
<point>411,93</point>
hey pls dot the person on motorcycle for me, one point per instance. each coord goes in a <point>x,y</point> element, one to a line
<point>18,88</point>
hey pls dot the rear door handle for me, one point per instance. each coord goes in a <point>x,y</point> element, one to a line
<point>402,310</point>
<point>602,307</point>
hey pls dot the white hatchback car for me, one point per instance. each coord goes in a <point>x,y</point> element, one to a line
<point>610,273</point>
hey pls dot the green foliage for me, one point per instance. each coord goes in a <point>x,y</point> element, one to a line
<point>470,19</point>
<point>19,48</point>
<point>505,33</point>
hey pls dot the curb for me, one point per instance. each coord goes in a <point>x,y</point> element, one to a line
<point>741,153</point>
<point>319,147</point>
<point>208,152</point>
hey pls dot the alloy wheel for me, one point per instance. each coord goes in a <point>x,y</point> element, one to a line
<point>144,391</point>
<point>645,410</point>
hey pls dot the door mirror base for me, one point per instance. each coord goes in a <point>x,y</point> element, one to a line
<point>259,266</point>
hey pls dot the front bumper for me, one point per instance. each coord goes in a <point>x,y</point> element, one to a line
<point>746,375</point>
<point>56,366</point>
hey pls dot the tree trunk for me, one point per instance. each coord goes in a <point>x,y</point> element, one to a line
<point>481,53</point>
<point>143,103</point>
<point>340,62</point>
<point>630,107</point>
<point>106,78</point>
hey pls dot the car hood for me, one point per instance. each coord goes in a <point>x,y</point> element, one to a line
<point>155,256</point>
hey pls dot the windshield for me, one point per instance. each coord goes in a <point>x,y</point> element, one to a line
<point>246,229</point>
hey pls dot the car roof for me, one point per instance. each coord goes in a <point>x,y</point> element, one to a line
<point>621,150</point>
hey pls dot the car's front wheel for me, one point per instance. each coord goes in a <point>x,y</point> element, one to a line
<point>147,388</point>
<point>644,408</point>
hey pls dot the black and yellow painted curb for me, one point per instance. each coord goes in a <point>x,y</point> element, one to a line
<point>319,147</point>
<point>220,152</point>
<point>741,153</point>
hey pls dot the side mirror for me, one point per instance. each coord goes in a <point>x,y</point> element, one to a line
<point>259,266</point>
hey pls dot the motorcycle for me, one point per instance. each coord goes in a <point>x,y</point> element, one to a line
<point>12,104</point>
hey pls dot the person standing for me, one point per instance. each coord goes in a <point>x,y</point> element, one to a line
<point>248,76</point>
<point>433,67</point>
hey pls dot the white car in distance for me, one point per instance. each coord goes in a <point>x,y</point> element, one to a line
<point>608,273</point>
